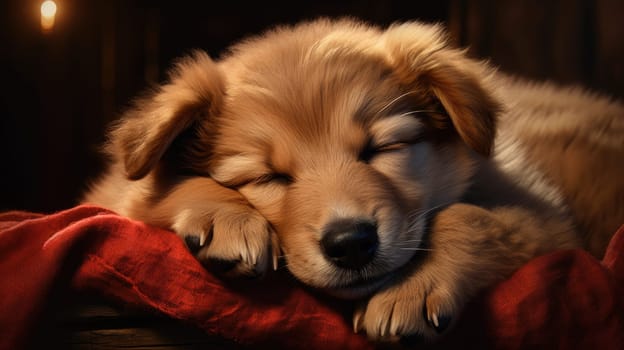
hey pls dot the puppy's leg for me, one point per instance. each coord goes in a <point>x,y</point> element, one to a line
<point>219,226</point>
<point>471,248</point>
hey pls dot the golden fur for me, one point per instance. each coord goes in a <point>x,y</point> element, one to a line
<point>391,131</point>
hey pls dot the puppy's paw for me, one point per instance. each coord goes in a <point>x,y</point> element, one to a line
<point>415,310</point>
<point>235,240</point>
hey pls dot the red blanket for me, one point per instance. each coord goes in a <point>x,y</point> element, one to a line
<point>564,300</point>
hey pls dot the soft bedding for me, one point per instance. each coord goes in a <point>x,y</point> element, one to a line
<point>563,300</point>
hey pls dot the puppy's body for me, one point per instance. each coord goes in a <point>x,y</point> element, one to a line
<point>334,142</point>
<point>566,146</point>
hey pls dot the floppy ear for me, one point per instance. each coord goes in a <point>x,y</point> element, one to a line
<point>422,58</point>
<point>193,91</point>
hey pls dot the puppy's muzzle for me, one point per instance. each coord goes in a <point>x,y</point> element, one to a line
<point>350,243</point>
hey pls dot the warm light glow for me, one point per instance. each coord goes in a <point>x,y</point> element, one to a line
<point>48,12</point>
<point>48,8</point>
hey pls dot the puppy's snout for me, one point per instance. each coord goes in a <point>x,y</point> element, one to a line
<point>349,243</point>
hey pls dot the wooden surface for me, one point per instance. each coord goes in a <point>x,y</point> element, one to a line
<point>88,323</point>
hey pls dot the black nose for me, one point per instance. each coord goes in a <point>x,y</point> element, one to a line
<point>349,243</point>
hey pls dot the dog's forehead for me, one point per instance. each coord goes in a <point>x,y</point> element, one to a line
<point>288,104</point>
<point>312,91</point>
<point>320,106</point>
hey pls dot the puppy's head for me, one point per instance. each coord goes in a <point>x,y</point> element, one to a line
<point>345,137</point>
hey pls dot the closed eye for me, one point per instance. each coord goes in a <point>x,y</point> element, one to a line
<point>391,147</point>
<point>277,178</point>
<point>370,150</point>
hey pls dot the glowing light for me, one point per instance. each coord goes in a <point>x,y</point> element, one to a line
<point>48,8</point>
<point>48,12</point>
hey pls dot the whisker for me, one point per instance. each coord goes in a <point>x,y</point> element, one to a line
<point>431,111</point>
<point>394,101</point>
<point>407,244</point>
<point>436,207</point>
<point>419,214</point>
<point>417,249</point>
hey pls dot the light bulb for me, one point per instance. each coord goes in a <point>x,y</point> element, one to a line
<point>48,12</point>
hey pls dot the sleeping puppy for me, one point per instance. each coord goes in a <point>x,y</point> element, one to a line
<point>381,164</point>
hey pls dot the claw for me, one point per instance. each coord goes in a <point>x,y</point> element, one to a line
<point>439,323</point>
<point>357,317</point>
<point>434,320</point>
<point>275,261</point>
<point>275,250</point>
<point>442,323</point>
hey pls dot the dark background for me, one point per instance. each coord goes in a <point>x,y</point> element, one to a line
<point>61,89</point>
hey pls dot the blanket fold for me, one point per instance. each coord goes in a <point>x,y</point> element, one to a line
<point>566,299</point>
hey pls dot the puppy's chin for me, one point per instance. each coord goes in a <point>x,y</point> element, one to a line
<point>359,289</point>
